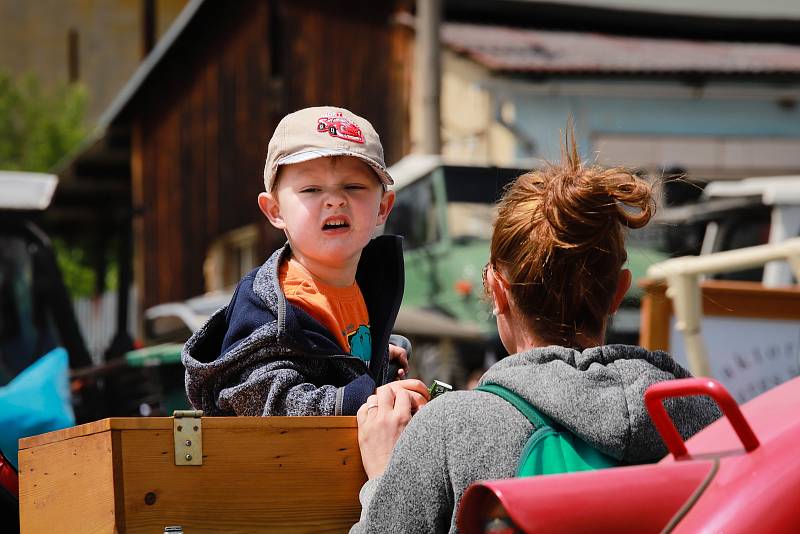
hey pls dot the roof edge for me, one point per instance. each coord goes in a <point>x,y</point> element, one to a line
<point>618,20</point>
<point>147,66</point>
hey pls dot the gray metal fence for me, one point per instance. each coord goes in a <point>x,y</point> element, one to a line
<point>97,318</point>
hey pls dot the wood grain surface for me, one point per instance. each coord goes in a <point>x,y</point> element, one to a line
<point>275,474</point>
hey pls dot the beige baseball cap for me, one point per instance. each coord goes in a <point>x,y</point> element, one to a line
<point>321,132</point>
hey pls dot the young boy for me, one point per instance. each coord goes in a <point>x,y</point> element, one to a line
<point>307,332</point>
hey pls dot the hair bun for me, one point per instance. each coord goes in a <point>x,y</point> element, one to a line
<point>582,203</point>
<point>633,197</point>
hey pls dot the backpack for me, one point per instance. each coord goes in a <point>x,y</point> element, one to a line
<point>551,449</point>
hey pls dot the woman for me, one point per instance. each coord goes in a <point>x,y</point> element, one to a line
<point>555,275</point>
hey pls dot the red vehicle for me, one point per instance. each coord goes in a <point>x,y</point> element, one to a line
<point>9,494</point>
<point>338,126</point>
<point>717,481</point>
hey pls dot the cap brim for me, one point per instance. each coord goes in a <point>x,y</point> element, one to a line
<point>307,155</point>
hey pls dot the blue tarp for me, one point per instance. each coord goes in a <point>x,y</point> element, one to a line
<point>36,401</point>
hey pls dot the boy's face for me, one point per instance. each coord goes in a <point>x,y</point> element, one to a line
<point>329,208</point>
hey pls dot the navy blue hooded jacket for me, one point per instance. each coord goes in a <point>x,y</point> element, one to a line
<point>261,355</point>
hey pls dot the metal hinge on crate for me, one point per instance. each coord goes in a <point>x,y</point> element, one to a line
<point>187,431</point>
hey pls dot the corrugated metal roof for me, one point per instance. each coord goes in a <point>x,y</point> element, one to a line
<point>763,9</point>
<point>548,52</point>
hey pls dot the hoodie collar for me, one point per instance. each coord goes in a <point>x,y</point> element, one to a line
<point>596,393</point>
<point>380,278</point>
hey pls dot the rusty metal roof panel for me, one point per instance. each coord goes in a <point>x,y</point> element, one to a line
<point>504,49</point>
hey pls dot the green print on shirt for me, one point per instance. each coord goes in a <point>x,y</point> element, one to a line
<point>361,343</point>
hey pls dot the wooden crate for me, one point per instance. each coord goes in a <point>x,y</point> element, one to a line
<point>259,474</point>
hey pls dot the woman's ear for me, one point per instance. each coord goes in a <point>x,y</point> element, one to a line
<point>623,285</point>
<point>498,290</point>
<point>268,204</point>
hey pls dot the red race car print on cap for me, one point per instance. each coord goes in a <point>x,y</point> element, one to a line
<point>338,126</point>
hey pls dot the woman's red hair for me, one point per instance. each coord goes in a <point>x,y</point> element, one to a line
<point>558,241</point>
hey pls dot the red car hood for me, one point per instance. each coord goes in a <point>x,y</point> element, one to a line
<point>721,487</point>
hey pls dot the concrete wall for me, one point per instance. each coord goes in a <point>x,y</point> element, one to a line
<point>469,132</point>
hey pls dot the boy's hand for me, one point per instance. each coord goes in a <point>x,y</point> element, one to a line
<point>399,355</point>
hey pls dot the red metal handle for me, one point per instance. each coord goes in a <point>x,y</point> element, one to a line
<point>687,387</point>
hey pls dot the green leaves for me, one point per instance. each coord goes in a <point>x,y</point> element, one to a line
<point>38,127</point>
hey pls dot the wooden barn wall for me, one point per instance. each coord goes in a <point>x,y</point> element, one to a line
<point>202,122</point>
<point>357,58</point>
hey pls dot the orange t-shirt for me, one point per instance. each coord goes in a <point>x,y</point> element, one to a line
<point>341,310</point>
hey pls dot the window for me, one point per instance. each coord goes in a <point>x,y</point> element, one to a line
<point>472,195</point>
<point>231,256</point>
<point>414,214</point>
<point>745,231</point>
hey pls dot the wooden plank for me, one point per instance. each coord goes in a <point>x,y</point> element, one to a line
<point>119,483</point>
<point>654,330</point>
<point>68,486</point>
<point>150,241</point>
<point>192,179</point>
<point>750,299</point>
<point>278,422</point>
<point>303,479</point>
<point>165,423</point>
<point>170,205</point>
<point>721,298</point>
<point>398,135</point>
<point>138,219</point>
<point>211,203</point>
<point>94,427</point>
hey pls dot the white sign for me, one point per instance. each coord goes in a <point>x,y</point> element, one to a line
<point>749,356</point>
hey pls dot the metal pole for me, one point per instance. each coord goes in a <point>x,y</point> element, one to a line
<point>429,72</point>
<point>687,303</point>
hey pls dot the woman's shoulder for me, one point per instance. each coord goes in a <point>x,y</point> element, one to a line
<point>464,409</point>
<point>458,400</point>
<point>473,434</point>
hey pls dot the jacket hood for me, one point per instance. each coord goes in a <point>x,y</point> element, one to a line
<point>598,394</point>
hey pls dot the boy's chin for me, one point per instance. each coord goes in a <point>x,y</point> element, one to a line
<point>338,253</point>
<point>341,255</point>
<point>345,241</point>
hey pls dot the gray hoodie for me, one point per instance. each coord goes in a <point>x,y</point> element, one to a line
<point>464,436</point>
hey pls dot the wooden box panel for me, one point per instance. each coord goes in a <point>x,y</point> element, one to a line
<point>299,474</point>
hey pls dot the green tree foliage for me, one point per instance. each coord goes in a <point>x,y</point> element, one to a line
<point>75,262</point>
<point>38,128</point>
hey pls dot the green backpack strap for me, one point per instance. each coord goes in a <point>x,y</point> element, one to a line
<point>537,420</point>
<point>550,449</point>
